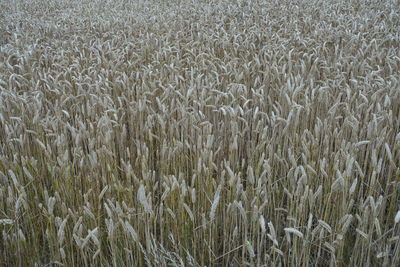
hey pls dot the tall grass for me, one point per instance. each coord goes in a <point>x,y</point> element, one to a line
<point>199,133</point>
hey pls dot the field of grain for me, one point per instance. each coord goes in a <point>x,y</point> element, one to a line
<point>199,133</point>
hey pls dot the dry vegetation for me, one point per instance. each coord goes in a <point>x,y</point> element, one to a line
<point>199,133</point>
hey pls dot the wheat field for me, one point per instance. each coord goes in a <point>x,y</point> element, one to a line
<point>199,133</point>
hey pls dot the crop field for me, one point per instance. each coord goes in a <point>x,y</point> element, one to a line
<point>199,133</point>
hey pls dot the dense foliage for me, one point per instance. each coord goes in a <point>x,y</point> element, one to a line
<point>199,133</point>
